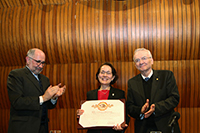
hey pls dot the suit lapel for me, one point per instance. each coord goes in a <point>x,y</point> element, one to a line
<point>139,87</point>
<point>111,93</point>
<point>95,94</point>
<point>31,77</point>
<point>155,82</point>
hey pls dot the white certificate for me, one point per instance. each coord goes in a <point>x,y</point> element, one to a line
<point>102,113</point>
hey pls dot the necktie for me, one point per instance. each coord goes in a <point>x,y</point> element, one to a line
<point>39,80</point>
<point>146,79</point>
<point>40,83</point>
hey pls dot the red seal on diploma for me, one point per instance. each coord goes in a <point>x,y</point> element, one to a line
<point>102,106</point>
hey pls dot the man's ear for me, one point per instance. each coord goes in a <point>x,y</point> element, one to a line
<point>152,61</point>
<point>27,59</point>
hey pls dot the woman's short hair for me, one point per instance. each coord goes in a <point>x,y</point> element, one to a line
<point>114,73</point>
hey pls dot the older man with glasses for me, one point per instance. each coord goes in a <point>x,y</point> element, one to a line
<point>31,95</point>
<point>152,96</point>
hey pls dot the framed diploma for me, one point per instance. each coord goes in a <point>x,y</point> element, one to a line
<point>102,113</point>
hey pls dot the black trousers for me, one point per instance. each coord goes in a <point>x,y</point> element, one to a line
<point>151,126</point>
<point>44,128</point>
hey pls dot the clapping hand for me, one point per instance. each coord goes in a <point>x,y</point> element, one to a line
<point>53,92</point>
<point>60,92</point>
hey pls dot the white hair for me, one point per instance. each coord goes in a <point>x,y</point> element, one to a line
<point>142,49</point>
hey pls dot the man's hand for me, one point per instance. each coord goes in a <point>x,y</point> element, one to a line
<point>152,109</point>
<point>50,92</point>
<point>60,91</point>
<point>145,107</point>
<point>53,92</point>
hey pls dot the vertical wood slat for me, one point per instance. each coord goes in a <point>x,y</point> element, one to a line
<point>78,30</point>
<point>121,30</point>
<point>197,22</point>
<point>129,29</point>
<point>162,31</point>
<point>68,34</point>
<point>188,28</point>
<point>107,33</point>
<point>105,26</point>
<point>113,32</point>
<point>100,31</point>
<point>184,32</point>
<point>175,30</point>
<point>180,29</point>
<point>6,22</point>
<point>85,32</point>
<point>2,61</point>
<point>167,26</point>
<point>14,42</point>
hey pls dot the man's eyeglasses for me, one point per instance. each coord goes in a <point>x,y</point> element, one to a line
<point>143,58</point>
<point>39,61</point>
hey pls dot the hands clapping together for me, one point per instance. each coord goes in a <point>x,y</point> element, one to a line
<point>53,92</point>
<point>145,108</point>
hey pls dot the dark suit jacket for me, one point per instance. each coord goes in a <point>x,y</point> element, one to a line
<point>164,94</point>
<point>113,94</point>
<point>25,110</point>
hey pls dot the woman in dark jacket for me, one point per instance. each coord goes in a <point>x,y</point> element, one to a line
<point>106,75</point>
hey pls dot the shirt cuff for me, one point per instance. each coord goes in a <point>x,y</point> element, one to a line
<point>141,116</point>
<point>41,100</point>
<point>54,101</point>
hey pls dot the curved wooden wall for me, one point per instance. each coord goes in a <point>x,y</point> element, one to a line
<point>78,35</point>
<point>101,30</point>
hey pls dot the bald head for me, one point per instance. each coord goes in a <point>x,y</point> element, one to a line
<point>34,51</point>
<point>35,60</point>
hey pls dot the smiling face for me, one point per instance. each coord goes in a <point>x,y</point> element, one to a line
<point>105,75</point>
<point>34,66</point>
<point>143,61</point>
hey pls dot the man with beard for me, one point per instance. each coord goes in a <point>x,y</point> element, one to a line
<point>31,95</point>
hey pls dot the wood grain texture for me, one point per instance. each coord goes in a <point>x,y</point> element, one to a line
<point>98,31</point>
<point>78,35</point>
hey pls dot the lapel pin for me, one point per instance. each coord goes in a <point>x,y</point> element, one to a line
<point>113,94</point>
<point>156,78</point>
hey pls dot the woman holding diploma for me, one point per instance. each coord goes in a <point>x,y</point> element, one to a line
<point>106,76</point>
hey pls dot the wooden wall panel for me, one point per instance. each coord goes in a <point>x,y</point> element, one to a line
<point>98,31</point>
<point>18,3</point>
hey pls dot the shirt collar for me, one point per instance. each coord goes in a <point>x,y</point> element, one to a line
<point>36,76</point>
<point>149,76</point>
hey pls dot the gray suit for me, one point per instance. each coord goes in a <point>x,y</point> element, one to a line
<point>164,94</point>
<point>24,91</point>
